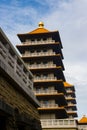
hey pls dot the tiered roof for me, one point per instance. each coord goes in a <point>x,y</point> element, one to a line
<point>83,120</point>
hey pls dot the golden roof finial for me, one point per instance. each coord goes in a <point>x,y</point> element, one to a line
<point>41,24</point>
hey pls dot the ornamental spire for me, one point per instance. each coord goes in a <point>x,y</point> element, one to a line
<point>41,25</point>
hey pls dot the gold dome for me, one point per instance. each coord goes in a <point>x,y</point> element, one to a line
<point>41,24</point>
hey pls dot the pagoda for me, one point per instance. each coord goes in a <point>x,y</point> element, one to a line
<point>41,51</point>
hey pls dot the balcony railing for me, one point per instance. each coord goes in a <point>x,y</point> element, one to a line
<point>49,105</point>
<point>38,54</point>
<point>58,123</point>
<point>43,78</point>
<point>41,66</point>
<point>16,69</point>
<point>46,92</point>
<point>48,41</point>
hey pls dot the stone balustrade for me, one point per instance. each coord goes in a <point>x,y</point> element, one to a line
<point>58,123</point>
<point>35,42</point>
<point>38,54</point>
<point>49,105</point>
<point>46,92</point>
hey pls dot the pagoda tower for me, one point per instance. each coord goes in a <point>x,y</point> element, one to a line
<point>41,51</point>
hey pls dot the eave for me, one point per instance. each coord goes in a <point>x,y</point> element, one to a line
<point>59,111</point>
<point>73,113</point>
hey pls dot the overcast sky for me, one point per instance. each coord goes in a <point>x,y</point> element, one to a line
<point>67,16</point>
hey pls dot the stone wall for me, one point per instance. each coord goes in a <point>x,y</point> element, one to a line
<point>28,114</point>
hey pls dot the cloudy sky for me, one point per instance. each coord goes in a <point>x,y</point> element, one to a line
<point>67,16</point>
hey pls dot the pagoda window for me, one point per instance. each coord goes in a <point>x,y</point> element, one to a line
<point>32,40</point>
<point>45,102</point>
<point>38,62</point>
<point>27,40</point>
<point>71,122</point>
<point>45,76</point>
<point>50,62</point>
<point>50,50</point>
<point>52,88</point>
<point>32,51</point>
<point>69,109</point>
<point>51,75</point>
<point>27,64</point>
<point>38,90</point>
<point>46,89</point>
<point>37,76</point>
<point>69,102</point>
<point>38,50</point>
<point>44,50</point>
<point>44,62</point>
<point>44,39</point>
<point>69,90</point>
<point>49,39</point>
<point>52,102</point>
<point>27,52</point>
<point>31,63</point>
<point>70,116</point>
<point>38,39</point>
